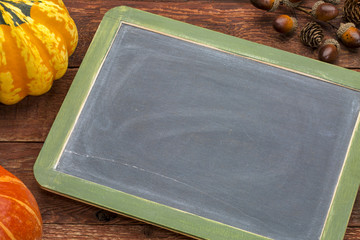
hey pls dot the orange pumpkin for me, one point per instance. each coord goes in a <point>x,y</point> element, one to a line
<point>19,213</point>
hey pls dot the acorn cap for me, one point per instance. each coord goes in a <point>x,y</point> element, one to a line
<point>343,28</point>
<point>333,42</point>
<point>295,25</point>
<point>315,6</point>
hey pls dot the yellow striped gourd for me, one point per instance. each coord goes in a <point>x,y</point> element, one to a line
<point>36,39</point>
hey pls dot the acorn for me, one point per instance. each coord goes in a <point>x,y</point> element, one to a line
<point>324,11</point>
<point>292,3</point>
<point>349,35</point>
<point>329,51</point>
<point>268,5</point>
<point>285,24</point>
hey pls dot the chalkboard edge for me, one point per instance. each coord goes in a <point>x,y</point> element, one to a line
<point>147,211</point>
<point>275,57</point>
<point>73,103</point>
<point>346,190</point>
<point>86,191</point>
<point>44,168</point>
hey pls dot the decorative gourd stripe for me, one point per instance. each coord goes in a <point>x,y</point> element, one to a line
<point>14,13</point>
<point>8,179</point>
<point>33,54</point>
<point>25,206</point>
<point>7,231</point>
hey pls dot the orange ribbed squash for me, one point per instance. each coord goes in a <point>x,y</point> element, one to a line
<point>20,217</point>
<point>36,39</point>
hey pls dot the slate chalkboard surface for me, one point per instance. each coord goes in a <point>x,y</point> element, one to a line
<point>253,147</point>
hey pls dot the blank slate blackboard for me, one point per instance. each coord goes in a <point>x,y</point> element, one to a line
<point>206,134</point>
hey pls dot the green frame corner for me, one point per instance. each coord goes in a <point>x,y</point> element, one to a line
<point>161,215</point>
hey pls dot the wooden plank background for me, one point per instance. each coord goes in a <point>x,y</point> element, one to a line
<point>24,126</point>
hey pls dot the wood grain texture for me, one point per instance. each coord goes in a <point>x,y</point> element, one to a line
<point>124,232</point>
<point>31,119</point>
<point>24,127</point>
<point>236,18</point>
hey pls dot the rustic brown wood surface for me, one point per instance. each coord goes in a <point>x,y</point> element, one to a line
<point>24,126</point>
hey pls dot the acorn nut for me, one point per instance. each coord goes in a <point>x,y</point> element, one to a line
<point>329,51</point>
<point>268,5</point>
<point>324,11</point>
<point>349,35</point>
<point>285,24</point>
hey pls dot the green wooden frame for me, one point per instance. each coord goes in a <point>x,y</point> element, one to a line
<point>166,216</point>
